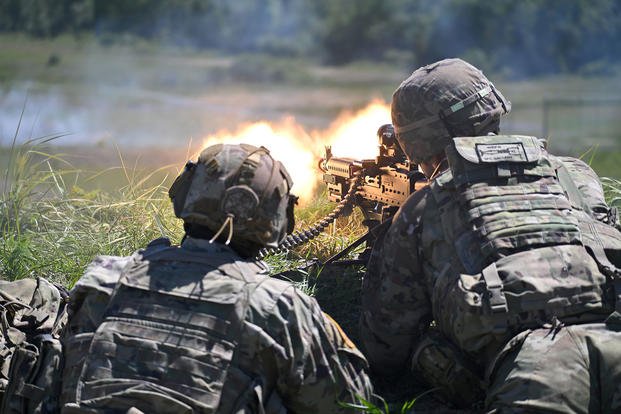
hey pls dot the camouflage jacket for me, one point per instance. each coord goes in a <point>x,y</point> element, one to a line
<point>276,353</point>
<point>420,257</point>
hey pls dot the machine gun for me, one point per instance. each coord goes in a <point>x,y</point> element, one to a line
<point>380,186</point>
<point>377,186</point>
<point>387,180</point>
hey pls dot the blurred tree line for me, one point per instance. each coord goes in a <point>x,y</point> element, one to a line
<point>520,38</point>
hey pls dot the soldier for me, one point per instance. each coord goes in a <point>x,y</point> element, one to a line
<point>510,251</point>
<point>201,328</point>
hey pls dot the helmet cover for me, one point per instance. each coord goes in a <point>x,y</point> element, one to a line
<point>242,183</point>
<point>446,99</point>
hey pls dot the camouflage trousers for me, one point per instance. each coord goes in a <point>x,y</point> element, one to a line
<point>574,369</point>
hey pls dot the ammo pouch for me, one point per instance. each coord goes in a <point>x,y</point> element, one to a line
<point>524,290</point>
<point>35,374</point>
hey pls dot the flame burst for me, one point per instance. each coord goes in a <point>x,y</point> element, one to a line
<point>352,134</point>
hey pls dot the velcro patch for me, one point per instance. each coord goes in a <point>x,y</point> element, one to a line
<point>511,152</point>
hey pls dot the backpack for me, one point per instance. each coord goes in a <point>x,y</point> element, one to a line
<point>32,315</point>
<point>527,249</point>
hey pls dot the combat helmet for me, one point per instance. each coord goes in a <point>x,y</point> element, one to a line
<point>237,193</point>
<point>446,99</point>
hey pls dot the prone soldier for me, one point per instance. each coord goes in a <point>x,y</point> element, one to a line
<point>511,251</point>
<point>200,327</point>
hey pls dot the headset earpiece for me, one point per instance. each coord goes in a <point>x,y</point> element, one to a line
<point>240,201</point>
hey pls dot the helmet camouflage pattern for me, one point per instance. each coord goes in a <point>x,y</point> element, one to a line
<point>446,99</point>
<point>242,183</point>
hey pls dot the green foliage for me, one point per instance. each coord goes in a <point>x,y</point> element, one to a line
<point>612,191</point>
<point>50,227</point>
<point>368,407</point>
<point>386,408</point>
<point>353,28</point>
<point>521,38</point>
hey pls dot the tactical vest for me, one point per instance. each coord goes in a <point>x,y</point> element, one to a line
<point>526,253</point>
<point>168,334</point>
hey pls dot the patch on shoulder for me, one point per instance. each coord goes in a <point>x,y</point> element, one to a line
<point>502,152</point>
<point>348,342</point>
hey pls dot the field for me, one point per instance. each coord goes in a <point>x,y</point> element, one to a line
<point>135,94</point>
<point>92,134</point>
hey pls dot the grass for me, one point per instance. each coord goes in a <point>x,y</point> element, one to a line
<point>52,225</point>
<point>612,191</point>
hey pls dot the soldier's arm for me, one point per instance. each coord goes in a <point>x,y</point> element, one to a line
<point>396,309</point>
<point>325,368</point>
<point>89,297</point>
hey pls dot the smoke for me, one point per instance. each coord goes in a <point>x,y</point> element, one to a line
<point>30,114</point>
<point>352,134</point>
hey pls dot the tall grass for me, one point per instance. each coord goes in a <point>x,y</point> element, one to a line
<point>51,227</point>
<point>612,191</point>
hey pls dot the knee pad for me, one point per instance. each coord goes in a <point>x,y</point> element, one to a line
<point>442,365</point>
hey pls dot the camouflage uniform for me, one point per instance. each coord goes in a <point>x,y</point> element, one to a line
<point>287,355</point>
<point>492,252</point>
<point>199,329</point>
<point>33,314</point>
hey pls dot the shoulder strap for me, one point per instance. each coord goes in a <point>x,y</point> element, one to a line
<point>571,189</point>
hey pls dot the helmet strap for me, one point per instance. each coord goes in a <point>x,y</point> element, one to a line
<point>447,126</point>
<point>227,222</point>
<point>439,168</point>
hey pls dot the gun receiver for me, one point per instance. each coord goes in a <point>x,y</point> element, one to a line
<point>388,180</point>
<point>377,186</point>
<point>383,184</point>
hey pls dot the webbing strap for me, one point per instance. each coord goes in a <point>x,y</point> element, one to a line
<point>497,299</point>
<point>573,192</point>
<point>596,250</point>
<point>446,112</point>
<point>465,102</point>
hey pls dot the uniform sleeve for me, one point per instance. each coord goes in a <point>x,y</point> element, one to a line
<point>89,297</point>
<point>324,368</point>
<point>396,309</point>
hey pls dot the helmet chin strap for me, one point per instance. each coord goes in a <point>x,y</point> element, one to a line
<point>439,168</point>
<point>229,222</point>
